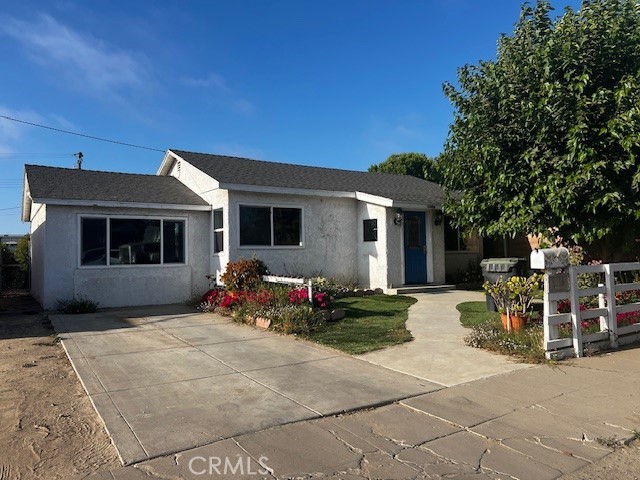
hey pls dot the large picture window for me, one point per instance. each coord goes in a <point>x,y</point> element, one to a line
<point>270,226</point>
<point>131,241</point>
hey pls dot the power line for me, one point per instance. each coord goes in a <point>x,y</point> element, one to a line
<point>81,134</point>
<point>10,208</point>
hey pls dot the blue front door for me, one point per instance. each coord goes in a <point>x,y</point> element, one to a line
<point>415,248</point>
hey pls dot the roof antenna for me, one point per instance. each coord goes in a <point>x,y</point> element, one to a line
<point>79,156</point>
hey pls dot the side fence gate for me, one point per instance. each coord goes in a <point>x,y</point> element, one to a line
<point>602,317</point>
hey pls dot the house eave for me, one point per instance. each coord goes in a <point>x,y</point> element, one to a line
<point>287,191</point>
<point>167,162</point>
<point>26,200</point>
<point>416,205</point>
<point>114,204</point>
<point>374,199</point>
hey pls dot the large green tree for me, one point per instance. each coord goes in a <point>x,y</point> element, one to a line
<point>547,136</point>
<point>414,164</point>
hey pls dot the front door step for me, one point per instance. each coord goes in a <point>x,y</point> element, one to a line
<point>409,289</point>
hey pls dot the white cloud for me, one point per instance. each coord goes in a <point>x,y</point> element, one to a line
<point>87,63</point>
<point>218,87</point>
<point>12,132</point>
<point>213,80</point>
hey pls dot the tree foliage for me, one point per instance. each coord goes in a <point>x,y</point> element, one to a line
<point>414,164</point>
<point>22,253</point>
<point>547,136</point>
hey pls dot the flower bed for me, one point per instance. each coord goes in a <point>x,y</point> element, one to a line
<point>281,307</point>
<point>593,325</point>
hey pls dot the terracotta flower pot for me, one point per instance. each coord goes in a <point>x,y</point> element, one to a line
<point>518,321</point>
<point>505,322</point>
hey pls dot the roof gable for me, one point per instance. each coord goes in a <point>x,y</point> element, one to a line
<point>232,172</point>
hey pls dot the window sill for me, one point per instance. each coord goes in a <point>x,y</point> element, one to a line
<point>134,265</point>
<point>271,247</point>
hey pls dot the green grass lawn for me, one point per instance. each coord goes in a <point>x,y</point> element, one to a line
<point>372,322</point>
<point>475,313</point>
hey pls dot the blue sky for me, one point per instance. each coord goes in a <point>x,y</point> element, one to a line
<point>329,83</point>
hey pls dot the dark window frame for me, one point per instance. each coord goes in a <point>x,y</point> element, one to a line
<point>272,226</point>
<point>370,230</point>
<point>163,261</point>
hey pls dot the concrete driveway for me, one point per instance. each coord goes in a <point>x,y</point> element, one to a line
<point>165,379</point>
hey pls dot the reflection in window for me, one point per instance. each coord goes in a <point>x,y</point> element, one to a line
<point>286,226</point>
<point>93,237</point>
<point>173,241</point>
<point>413,232</point>
<point>370,228</point>
<point>270,226</point>
<point>456,241</point>
<point>135,241</point>
<point>255,225</point>
<point>218,231</point>
<point>131,241</point>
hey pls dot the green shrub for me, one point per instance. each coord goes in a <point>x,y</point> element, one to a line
<point>244,274</point>
<point>526,344</point>
<point>76,305</point>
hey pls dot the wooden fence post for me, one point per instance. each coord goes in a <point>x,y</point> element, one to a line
<point>576,321</point>
<point>611,305</point>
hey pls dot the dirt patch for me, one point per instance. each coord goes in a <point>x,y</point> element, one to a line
<point>624,462</point>
<point>48,427</point>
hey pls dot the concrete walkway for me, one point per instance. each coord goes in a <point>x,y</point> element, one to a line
<point>438,353</point>
<point>283,404</point>
<point>165,379</point>
<point>533,424</point>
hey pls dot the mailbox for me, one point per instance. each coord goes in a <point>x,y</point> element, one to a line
<point>550,258</point>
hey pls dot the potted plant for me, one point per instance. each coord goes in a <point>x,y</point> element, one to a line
<point>520,292</point>
<point>513,299</point>
<point>498,291</point>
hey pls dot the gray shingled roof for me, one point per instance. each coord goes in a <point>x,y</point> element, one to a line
<point>73,184</point>
<point>234,170</point>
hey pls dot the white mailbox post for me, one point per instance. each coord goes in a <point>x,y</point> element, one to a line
<point>555,262</point>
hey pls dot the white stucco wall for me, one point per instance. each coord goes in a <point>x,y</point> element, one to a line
<point>372,256</point>
<point>115,286</point>
<point>330,236</point>
<point>207,188</point>
<point>38,248</point>
<point>395,253</point>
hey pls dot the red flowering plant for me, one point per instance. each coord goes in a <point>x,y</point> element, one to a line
<point>232,300</point>
<point>211,299</point>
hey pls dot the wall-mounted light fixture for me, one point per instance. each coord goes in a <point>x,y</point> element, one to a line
<point>438,218</point>
<point>399,216</point>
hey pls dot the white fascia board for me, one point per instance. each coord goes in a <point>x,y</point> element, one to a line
<point>111,204</point>
<point>26,200</point>
<point>286,191</point>
<point>416,206</point>
<point>167,163</point>
<point>374,199</point>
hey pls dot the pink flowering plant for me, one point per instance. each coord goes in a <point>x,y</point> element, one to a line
<point>289,310</point>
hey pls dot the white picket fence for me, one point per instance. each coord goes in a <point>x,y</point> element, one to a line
<point>564,286</point>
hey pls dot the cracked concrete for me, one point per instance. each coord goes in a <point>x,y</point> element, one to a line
<point>435,435</point>
<point>534,423</point>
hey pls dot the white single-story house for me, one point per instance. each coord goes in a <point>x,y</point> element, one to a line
<point>128,239</point>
